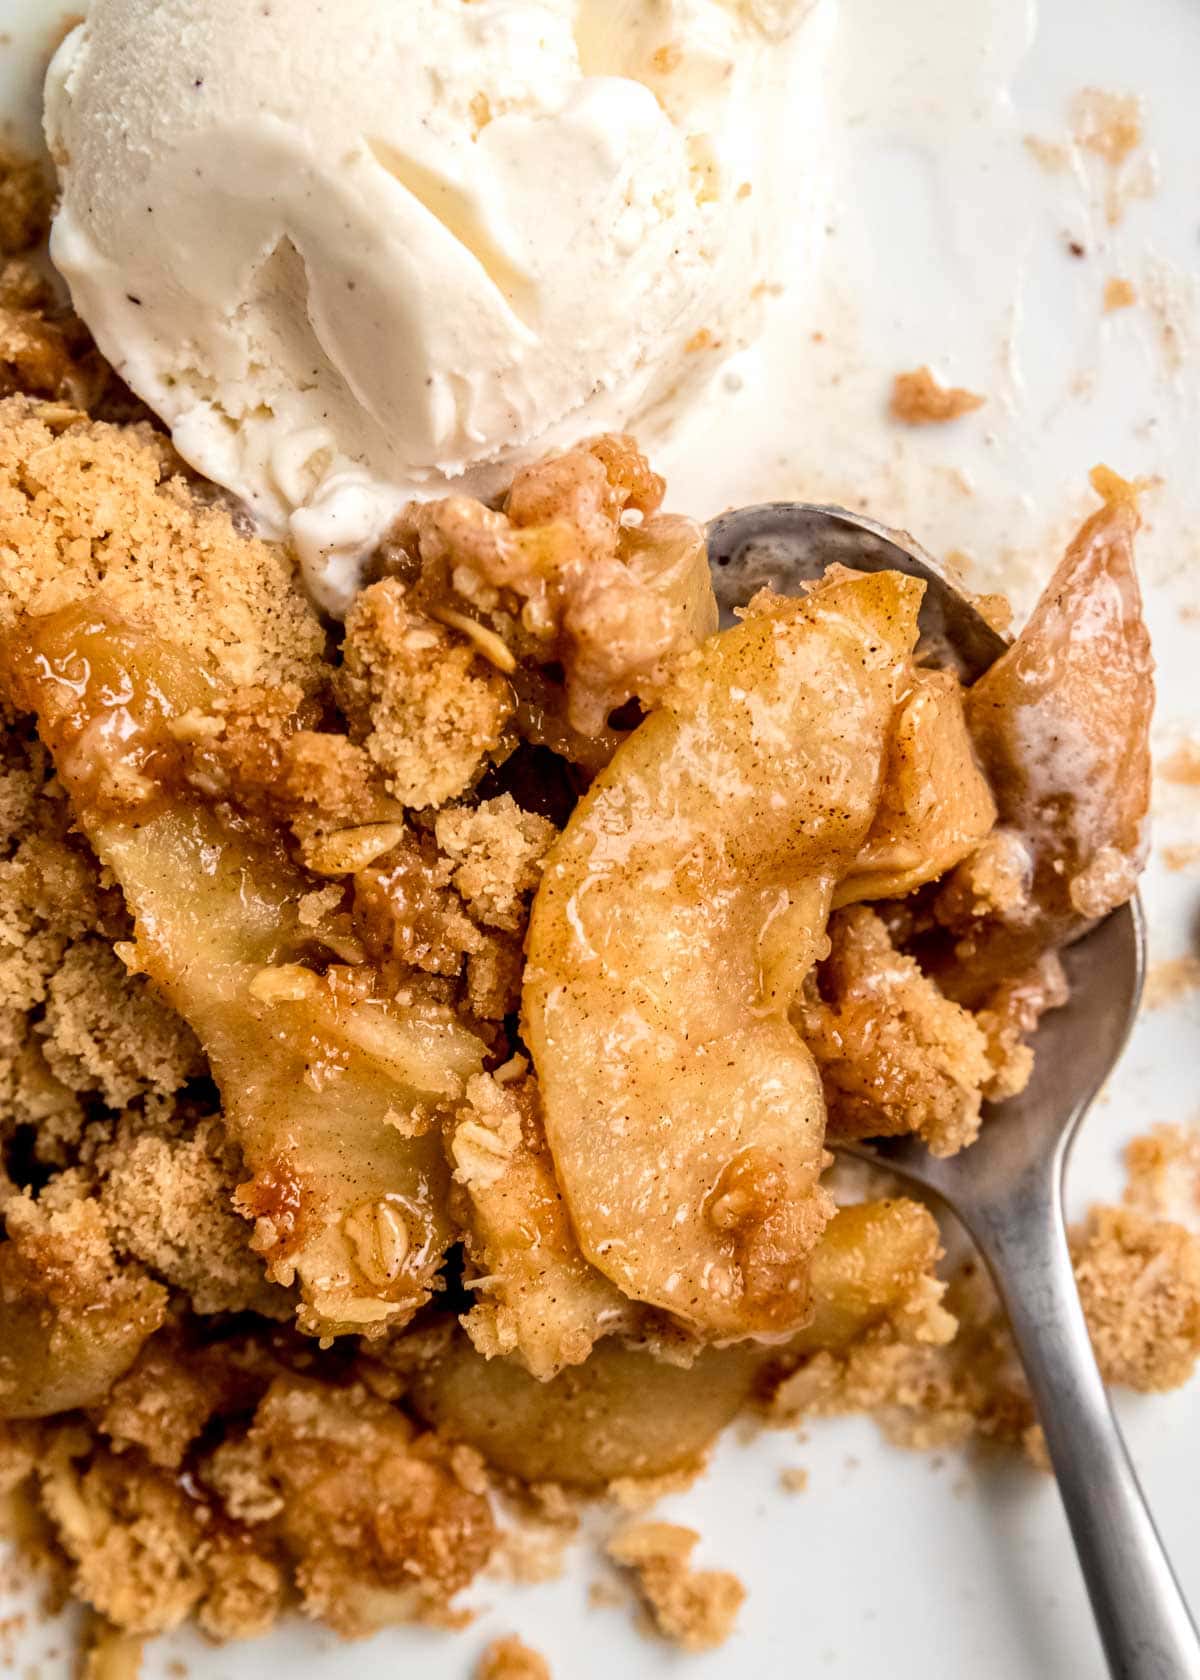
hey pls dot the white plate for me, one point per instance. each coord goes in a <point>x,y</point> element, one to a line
<point>947,242</point>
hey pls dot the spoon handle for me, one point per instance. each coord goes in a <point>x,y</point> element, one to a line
<point>1144,1622</point>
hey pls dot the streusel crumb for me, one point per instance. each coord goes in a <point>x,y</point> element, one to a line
<point>87,504</point>
<point>165,1187</point>
<point>497,849</point>
<point>429,709</point>
<point>382,1524</point>
<point>696,1608</point>
<point>105,1031</point>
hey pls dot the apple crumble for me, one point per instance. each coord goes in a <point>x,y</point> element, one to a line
<point>420,1040</point>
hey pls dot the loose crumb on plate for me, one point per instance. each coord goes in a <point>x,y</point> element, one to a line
<point>696,1608</point>
<point>794,1479</point>
<point>918,399</point>
<point>1051,155</point>
<point>1106,123</point>
<point>511,1659</point>
<point>1163,1165</point>
<point>1139,1281</point>
<point>1183,765</point>
<point>1119,294</point>
<point>1172,979</point>
<point>1180,859</point>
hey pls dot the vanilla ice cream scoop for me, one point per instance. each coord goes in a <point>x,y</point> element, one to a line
<point>354,251</point>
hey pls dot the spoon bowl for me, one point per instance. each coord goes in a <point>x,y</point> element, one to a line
<point>1007,1187</point>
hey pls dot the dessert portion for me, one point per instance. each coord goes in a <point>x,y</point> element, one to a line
<point>422,1041</point>
<point>498,228</point>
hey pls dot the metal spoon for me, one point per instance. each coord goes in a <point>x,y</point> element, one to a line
<point>1008,1187</point>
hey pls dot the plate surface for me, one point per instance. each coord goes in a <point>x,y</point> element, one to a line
<point>947,239</point>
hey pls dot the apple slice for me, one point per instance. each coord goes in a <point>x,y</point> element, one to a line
<point>937,807</point>
<point>675,923</point>
<point>319,1081</point>
<point>1062,726</point>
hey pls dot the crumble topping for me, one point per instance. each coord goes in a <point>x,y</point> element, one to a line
<point>105,1031</point>
<point>429,709</point>
<point>165,1185</point>
<point>87,504</point>
<point>896,1055</point>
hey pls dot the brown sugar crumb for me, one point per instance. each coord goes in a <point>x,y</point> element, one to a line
<point>1170,980</point>
<point>895,1055</point>
<point>1139,1280</point>
<point>511,1659</point>
<point>697,1609</point>
<point>793,1480</point>
<point>164,1402</point>
<point>133,1537</point>
<point>595,608</point>
<point>1119,294</point>
<point>144,1550</point>
<point>429,710</point>
<point>919,400</point>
